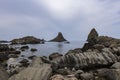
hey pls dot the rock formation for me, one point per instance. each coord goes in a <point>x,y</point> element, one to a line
<point>27,40</point>
<point>92,37</point>
<point>59,38</point>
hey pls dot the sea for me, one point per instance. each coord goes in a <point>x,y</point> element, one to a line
<point>50,47</point>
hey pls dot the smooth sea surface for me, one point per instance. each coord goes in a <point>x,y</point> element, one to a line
<point>51,47</point>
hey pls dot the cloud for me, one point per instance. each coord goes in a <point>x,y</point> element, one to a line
<point>44,18</point>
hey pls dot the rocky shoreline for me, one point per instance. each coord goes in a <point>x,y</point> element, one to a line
<point>99,59</point>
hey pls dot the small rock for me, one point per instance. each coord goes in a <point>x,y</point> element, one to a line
<point>54,56</point>
<point>116,65</point>
<point>87,76</point>
<point>33,49</point>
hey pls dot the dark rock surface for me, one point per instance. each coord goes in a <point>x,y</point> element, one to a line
<point>58,38</point>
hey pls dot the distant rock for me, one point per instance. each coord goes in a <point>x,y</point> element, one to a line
<point>58,38</point>
<point>92,37</point>
<point>27,40</point>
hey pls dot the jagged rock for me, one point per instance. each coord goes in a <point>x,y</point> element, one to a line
<point>58,38</point>
<point>87,59</point>
<point>36,71</point>
<point>92,37</point>
<point>27,40</point>
<point>3,74</point>
<point>54,56</point>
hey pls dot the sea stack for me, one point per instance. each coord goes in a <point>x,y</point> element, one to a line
<point>58,38</point>
<point>92,37</point>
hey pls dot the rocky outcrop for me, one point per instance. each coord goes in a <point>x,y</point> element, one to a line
<point>99,42</point>
<point>27,40</point>
<point>36,71</point>
<point>58,38</point>
<point>88,59</point>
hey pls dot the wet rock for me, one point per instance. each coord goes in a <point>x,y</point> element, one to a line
<point>23,48</point>
<point>31,57</point>
<point>14,52</point>
<point>33,49</point>
<point>92,37</point>
<point>58,38</point>
<point>36,71</point>
<point>54,56</point>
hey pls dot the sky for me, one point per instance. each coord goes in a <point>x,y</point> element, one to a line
<point>45,18</point>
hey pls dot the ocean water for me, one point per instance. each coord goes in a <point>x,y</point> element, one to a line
<point>51,47</point>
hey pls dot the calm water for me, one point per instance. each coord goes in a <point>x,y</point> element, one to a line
<point>51,47</point>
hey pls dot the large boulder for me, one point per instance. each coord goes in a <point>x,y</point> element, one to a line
<point>87,60</point>
<point>36,71</point>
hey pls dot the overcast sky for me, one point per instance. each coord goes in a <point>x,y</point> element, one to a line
<point>45,18</point>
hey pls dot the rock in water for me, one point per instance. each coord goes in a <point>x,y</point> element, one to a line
<point>92,37</point>
<point>36,71</point>
<point>59,38</point>
<point>27,40</point>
